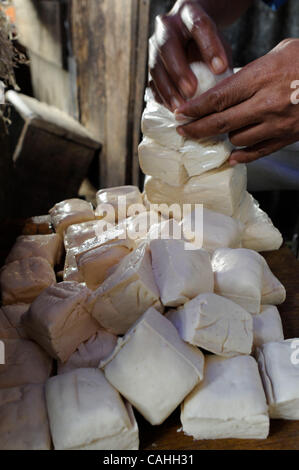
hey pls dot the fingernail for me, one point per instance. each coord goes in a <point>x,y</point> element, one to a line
<point>174,103</point>
<point>217,65</point>
<point>181,131</point>
<point>186,88</point>
<point>182,117</point>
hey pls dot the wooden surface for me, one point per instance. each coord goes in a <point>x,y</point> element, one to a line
<point>283,434</point>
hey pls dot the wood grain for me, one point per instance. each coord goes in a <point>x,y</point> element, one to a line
<point>283,434</point>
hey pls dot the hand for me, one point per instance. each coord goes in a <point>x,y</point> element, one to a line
<point>184,35</point>
<point>255,106</point>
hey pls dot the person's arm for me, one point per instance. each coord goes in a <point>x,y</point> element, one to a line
<point>189,32</point>
<point>257,107</point>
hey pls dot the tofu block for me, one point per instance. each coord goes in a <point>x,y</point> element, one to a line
<point>25,363</point>
<point>180,274</point>
<point>273,292</point>
<point>23,280</point>
<point>120,198</point>
<point>86,413</point>
<point>139,226</point>
<point>23,419</point>
<point>162,162</point>
<point>159,124</point>
<point>39,225</point>
<point>219,230</point>
<point>267,326</point>
<point>49,247</point>
<point>77,234</point>
<point>10,321</point>
<point>214,323</point>
<point>96,265</point>
<point>70,211</point>
<point>153,368</point>
<point>229,181</point>
<point>90,353</point>
<point>238,275</point>
<point>229,403</point>
<point>200,157</point>
<point>127,293</point>
<point>279,369</point>
<point>58,319</point>
<point>259,233</point>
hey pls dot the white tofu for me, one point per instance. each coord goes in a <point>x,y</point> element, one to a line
<point>127,293</point>
<point>77,234</point>
<point>273,292</point>
<point>120,198</point>
<point>199,157</point>
<point>96,265</point>
<point>23,419</point>
<point>238,275</point>
<point>267,326</point>
<point>206,79</point>
<point>180,274</point>
<point>229,181</point>
<point>153,368</point>
<point>229,403</point>
<point>162,162</point>
<point>140,225</point>
<point>58,319</point>
<point>218,230</point>
<point>23,280</point>
<point>10,321</point>
<point>215,324</point>
<point>49,247</point>
<point>25,363</point>
<point>165,230</point>
<point>159,124</point>
<point>70,211</point>
<point>90,353</point>
<point>86,413</point>
<point>279,368</point>
<point>259,233</point>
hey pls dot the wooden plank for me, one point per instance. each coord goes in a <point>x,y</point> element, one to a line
<point>40,28</point>
<point>283,434</point>
<point>110,50</point>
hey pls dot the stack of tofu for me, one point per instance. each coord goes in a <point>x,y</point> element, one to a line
<point>100,318</point>
<point>183,171</point>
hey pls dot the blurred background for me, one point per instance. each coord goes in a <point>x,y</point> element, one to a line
<point>88,59</point>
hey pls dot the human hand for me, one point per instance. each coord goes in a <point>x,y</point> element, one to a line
<point>184,35</point>
<point>256,106</point>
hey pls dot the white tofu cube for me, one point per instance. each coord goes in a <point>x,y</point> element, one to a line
<point>214,323</point>
<point>267,326</point>
<point>48,247</point>
<point>279,368</point>
<point>86,413</point>
<point>23,419</point>
<point>162,162</point>
<point>70,211</point>
<point>127,293</point>
<point>25,363</point>
<point>23,280</point>
<point>10,321</point>
<point>90,353</point>
<point>180,274</point>
<point>120,198</point>
<point>58,319</point>
<point>229,403</point>
<point>200,157</point>
<point>153,368</point>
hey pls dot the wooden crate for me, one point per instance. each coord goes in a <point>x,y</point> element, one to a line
<point>51,153</point>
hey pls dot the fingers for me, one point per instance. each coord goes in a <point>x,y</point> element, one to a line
<point>235,118</point>
<point>250,135</point>
<point>227,93</point>
<point>171,44</point>
<point>204,32</point>
<point>163,85</point>
<point>257,151</point>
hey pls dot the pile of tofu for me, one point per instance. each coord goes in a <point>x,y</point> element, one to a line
<point>105,311</point>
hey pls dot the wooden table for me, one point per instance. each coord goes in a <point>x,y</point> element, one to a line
<point>283,434</point>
